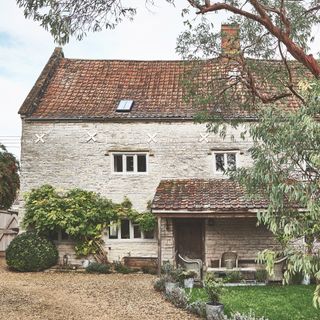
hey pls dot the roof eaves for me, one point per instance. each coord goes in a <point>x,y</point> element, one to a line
<point>31,101</point>
<point>128,119</point>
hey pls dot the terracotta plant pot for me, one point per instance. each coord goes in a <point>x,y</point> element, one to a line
<point>214,311</point>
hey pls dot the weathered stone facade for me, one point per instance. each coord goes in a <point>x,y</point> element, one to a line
<point>66,159</point>
<point>221,235</point>
<point>79,154</point>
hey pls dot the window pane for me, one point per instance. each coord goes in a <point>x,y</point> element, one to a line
<point>118,163</point>
<point>220,162</point>
<point>142,163</point>
<point>136,231</point>
<point>53,235</point>
<point>113,231</point>
<point>64,235</point>
<point>149,234</point>
<point>129,163</point>
<point>125,229</point>
<point>231,160</point>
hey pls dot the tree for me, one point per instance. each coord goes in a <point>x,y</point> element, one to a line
<point>9,178</point>
<point>286,172</point>
<point>286,147</point>
<point>289,22</point>
<point>269,29</point>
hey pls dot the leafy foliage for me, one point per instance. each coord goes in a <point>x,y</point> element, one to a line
<point>83,215</point>
<point>197,307</point>
<point>261,275</point>
<point>96,267</point>
<point>286,172</point>
<point>160,284</point>
<point>213,289</point>
<point>29,252</point>
<point>121,268</point>
<point>178,297</point>
<point>9,178</point>
<point>233,277</point>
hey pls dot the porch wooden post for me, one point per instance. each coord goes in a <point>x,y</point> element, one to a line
<point>159,246</point>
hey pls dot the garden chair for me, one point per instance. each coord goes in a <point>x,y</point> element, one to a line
<point>229,260</point>
<point>192,264</point>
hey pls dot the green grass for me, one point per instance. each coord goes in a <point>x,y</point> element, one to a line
<point>292,302</point>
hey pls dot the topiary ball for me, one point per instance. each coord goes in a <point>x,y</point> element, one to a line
<point>30,252</point>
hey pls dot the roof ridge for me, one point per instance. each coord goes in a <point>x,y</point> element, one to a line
<point>30,103</point>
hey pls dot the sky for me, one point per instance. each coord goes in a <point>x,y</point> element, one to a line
<point>25,47</point>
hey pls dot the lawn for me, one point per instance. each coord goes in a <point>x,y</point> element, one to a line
<point>273,302</point>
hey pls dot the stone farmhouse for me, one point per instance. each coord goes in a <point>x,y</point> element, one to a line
<point>123,128</point>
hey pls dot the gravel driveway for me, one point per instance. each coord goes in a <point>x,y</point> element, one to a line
<point>67,296</point>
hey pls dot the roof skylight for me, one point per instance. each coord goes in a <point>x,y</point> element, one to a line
<point>125,106</point>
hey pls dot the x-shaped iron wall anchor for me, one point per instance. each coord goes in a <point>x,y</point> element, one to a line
<point>152,137</point>
<point>204,137</point>
<point>91,136</point>
<point>40,137</point>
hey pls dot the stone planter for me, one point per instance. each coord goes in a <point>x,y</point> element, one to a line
<point>214,311</point>
<point>170,286</point>
<point>188,283</point>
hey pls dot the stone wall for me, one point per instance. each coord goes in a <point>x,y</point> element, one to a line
<point>66,157</point>
<point>79,154</point>
<point>167,241</point>
<point>239,234</point>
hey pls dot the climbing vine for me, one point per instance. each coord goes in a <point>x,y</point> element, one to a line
<point>83,215</point>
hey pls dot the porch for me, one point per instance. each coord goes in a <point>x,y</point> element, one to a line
<point>209,239</point>
<point>207,219</point>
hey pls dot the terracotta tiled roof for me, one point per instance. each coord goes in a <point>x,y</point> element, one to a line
<point>199,195</point>
<point>92,89</point>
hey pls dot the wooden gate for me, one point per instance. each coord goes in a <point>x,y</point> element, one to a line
<point>8,229</point>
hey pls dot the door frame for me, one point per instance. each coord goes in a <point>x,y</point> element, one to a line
<point>202,230</point>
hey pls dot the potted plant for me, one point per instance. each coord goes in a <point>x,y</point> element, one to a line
<point>214,309</point>
<point>187,277</point>
<point>170,276</point>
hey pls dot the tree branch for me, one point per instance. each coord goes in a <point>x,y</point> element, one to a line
<point>290,84</point>
<point>263,18</point>
<point>223,6</point>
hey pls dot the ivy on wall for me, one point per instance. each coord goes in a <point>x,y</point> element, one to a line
<point>83,215</point>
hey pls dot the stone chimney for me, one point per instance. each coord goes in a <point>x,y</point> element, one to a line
<point>230,40</point>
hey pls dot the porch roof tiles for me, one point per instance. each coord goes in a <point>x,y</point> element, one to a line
<point>203,195</point>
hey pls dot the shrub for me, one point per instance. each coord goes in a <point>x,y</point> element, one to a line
<point>250,316</point>
<point>96,267</point>
<point>171,273</point>
<point>213,289</point>
<point>187,274</point>
<point>119,267</point>
<point>160,284</point>
<point>30,252</point>
<point>261,275</point>
<point>149,270</point>
<point>296,278</point>
<point>234,277</point>
<point>178,297</point>
<point>198,307</point>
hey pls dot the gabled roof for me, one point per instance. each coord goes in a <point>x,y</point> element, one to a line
<point>202,195</point>
<point>91,89</point>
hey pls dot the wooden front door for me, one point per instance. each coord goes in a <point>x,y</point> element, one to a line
<point>189,238</point>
